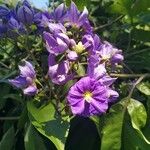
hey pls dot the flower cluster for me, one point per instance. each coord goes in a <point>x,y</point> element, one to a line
<point>14,22</point>
<point>70,41</point>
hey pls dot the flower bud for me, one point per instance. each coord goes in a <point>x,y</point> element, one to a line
<point>25,14</point>
<point>4,11</point>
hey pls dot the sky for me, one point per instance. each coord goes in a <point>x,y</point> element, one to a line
<point>39,3</point>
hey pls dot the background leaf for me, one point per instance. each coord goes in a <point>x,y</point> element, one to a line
<point>8,139</point>
<point>112,128</point>
<point>32,140</point>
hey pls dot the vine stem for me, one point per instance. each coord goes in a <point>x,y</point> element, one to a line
<point>136,83</point>
<point>108,24</point>
<point>9,118</point>
<point>146,75</point>
<point>129,75</point>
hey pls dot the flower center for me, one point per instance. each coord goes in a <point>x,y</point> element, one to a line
<point>88,96</point>
<point>79,48</point>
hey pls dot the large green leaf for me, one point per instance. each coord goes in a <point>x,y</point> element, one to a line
<point>50,124</point>
<point>7,141</point>
<point>42,114</point>
<point>135,107</point>
<point>131,139</point>
<point>112,129</point>
<point>138,116</point>
<point>116,125</point>
<point>32,140</point>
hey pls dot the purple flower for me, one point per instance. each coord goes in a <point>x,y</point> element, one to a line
<point>56,44</point>
<point>25,13</point>
<point>109,53</point>
<point>91,42</point>
<point>59,73</point>
<point>88,97</point>
<point>26,79</point>
<point>98,72</point>
<point>56,27</point>
<point>77,19</point>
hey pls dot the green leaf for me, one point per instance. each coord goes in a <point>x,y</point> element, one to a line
<point>50,124</point>
<point>116,125</point>
<point>140,6</point>
<point>32,140</point>
<point>112,129</point>
<point>138,116</point>
<point>23,118</point>
<point>42,114</point>
<point>144,87</point>
<point>129,7</point>
<point>121,6</point>
<point>7,141</point>
<point>131,139</point>
<point>135,107</point>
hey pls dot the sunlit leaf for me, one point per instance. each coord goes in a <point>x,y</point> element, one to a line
<point>50,124</point>
<point>144,87</point>
<point>112,129</point>
<point>138,116</point>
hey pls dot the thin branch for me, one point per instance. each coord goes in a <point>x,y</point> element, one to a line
<point>136,83</point>
<point>109,23</point>
<point>129,75</point>
<point>137,52</point>
<point>9,118</point>
<point>4,65</point>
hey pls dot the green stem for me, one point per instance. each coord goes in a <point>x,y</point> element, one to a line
<point>110,23</point>
<point>136,83</point>
<point>9,118</point>
<point>129,75</point>
<point>137,52</point>
<point>4,65</point>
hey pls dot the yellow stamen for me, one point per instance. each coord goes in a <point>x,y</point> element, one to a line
<point>79,48</point>
<point>87,96</point>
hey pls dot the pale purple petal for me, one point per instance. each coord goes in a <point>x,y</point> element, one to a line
<point>30,90</point>
<point>113,95</point>
<point>107,80</point>
<point>27,70</point>
<point>72,55</point>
